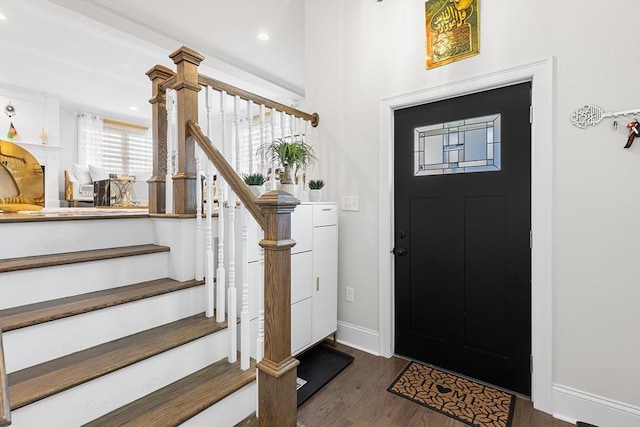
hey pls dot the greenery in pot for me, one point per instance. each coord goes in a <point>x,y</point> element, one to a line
<point>316,184</point>
<point>291,154</point>
<point>315,190</point>
<point>254,179</point>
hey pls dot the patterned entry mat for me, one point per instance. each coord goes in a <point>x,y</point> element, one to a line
<point>470,402</point>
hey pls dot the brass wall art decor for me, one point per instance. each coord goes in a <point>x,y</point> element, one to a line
<point>452,31</point>
<point>21,179</point>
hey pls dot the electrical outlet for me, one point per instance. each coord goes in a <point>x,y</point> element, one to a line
<point>349,296</point>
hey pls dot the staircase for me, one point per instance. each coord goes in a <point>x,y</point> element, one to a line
<point>96,332</point>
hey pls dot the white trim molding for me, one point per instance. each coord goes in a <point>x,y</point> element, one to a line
<point>573,405</point>
<point>541,74</point>
<point>358,337</point>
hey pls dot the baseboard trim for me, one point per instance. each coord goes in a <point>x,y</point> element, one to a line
<point>358,337</point>
<point>573,405</point>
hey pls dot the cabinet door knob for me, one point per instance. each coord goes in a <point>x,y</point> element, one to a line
<point>317,283</point>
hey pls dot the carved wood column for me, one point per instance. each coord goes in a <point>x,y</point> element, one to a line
<point>187,88</point>
<point>158,75</point>
<point>277,398</point>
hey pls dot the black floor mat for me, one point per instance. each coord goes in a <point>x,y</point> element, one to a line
<point>317,367</point>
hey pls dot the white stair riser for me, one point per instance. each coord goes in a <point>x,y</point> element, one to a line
<point>88,401</point>
<point>69,236</point>
<point>71,334</point>
<point>42,284</point>
<point>229,411</point>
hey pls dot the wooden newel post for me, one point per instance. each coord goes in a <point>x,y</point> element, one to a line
<point>277,370</point>
<point>158,75</point>
<point>187,88</point>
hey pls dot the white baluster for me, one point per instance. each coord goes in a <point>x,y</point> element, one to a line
<point>273,137</point>
<point>199,266</point>
<point>262,139</point>
<point>209,272</point>
<point>208,97</point>
<point>232,292</point>
<point>245,341</point>
<point>260,343</point>
<point>232,296</point>
<point>250,134</point>
<point>223,121</point>
<point>236,111</point>
<point>209,285</point>
<point>171,142</point>
<point>283,124</point>
<point>221,272</point>
<point>303,185</point>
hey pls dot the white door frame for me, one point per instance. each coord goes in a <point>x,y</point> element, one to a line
<point>541,74</point>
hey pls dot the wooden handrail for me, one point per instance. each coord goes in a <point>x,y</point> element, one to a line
<point>203,80</point>
<point>5,409</point>
<point>257,99</point>
<point>227,172</point>
<point>169,83</point>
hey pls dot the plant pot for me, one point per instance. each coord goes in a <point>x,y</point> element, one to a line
<point>257,190</point>
<point>315,195</point>
<point>286,175</point>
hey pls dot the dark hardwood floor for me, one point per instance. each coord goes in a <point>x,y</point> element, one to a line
<point>358,397</point>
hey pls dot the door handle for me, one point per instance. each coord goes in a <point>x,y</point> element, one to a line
<point>399,251</point>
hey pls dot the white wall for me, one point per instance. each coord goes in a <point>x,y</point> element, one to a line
<point>360,52</point>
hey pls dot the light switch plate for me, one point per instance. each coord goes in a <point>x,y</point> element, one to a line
<point>350,203</point>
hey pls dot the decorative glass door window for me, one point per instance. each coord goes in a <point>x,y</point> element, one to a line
<point>463,146</point>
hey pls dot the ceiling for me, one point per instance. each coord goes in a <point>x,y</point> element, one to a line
<point>93,54</point>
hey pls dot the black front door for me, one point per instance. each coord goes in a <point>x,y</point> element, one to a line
<point>462,226</point>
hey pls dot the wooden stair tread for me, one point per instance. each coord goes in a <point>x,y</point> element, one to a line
<point>33,314</point>
<point>46,379</point>
<point>39,261</point>
<point>181,400</point>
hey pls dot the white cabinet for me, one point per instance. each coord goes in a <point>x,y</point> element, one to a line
<point>314,273</point>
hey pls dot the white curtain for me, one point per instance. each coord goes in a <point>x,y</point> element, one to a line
<point>90,131</point>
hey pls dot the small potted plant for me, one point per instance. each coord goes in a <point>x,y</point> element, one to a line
<point>255,182</point>
<point>315,190</point>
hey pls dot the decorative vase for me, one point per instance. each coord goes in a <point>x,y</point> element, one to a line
<point>286,175</point>
<point>315,195</point>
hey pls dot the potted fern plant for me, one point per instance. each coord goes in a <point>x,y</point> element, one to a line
<point>315,190</point>
<point>255,182</point>
<point>294,156</point>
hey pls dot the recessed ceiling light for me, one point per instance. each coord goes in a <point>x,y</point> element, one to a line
<point>132,108</point>
<point>263,36</point>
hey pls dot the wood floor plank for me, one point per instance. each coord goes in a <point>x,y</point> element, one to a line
<point>181,400</point>
<point>43,380</point>
<point>358,397</point>
<point>33,314</point>
<point>39,261</point>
